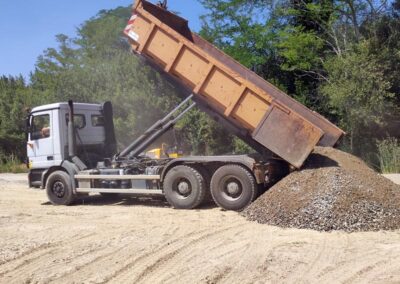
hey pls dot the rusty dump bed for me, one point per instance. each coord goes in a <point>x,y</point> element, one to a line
<point>269,116</point>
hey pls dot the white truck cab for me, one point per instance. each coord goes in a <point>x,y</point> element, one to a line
<point>47,143</point>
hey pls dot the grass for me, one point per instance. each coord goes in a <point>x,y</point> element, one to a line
<point>11,164</point>
<point>389,155</point>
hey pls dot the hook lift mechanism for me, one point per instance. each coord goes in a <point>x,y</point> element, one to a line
<point>155,131</point>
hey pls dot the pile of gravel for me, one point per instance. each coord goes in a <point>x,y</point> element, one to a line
<point>334,191</point>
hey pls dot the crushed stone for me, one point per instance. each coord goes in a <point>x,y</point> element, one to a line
<point>333,191</point>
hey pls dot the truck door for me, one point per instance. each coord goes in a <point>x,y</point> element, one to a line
<point>41,140</point>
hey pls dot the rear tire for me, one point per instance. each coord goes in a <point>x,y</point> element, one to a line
<point>207,179</point>
<point>233,187</point>
<point>59,188</point>
<point>184,187</point>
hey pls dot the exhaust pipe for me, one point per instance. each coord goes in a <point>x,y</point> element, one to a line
<point>71,131</point>
<point>72,153</point>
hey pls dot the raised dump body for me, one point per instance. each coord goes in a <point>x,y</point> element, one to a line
<point>265,116</point>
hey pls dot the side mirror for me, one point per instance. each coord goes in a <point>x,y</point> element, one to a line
<point>28,127</point>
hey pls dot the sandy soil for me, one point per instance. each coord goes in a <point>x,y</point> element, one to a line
<point>393,177</point>
<point>135,240</point>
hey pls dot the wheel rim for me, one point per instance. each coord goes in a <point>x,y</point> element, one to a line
<point>182,188</point>
<point>58,189</point>
<point>231,188</point>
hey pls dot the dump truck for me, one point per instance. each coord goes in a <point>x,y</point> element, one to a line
<point>72,146</point>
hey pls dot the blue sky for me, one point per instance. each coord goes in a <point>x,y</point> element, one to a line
<point>27,27</point>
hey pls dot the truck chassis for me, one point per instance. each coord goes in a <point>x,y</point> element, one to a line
<point>233,182</point>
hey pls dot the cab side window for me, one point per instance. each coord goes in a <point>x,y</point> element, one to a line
<point>97,120</point>
<point>79,120</point>
<point>40,127</point>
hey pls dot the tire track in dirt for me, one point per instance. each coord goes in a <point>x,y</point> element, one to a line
<point>253,257</point>
<point>371,270</point>
<point>111,262</point>
<point>49,243</point>
<point>17,268</point>
<point>315,257</point>
<point>193,261</point>
<point>78,265</point>
<point>26,256</point>
<point>25,270</point>
<point>354,263</point>
<point>221,268</point>
<point>363,270</point>
<point>224,252</point>
<point>22,263</point>
<point>340,268</point>
<point>26,253</point>
<point>218,276</point>
<point>327,252</point>
<point>165,255</point>
<point>336,253</point>
<point>115,244</point>
<point>391,271</point>
<point>110,258</point>
<point>292,256</point>
<point>138,260</point>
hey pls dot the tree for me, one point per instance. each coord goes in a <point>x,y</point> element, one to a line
<point>14,101</point>
<point>97,66</point>
<point>339,58</point>
<point>359,94</point>
<point>203,135</point>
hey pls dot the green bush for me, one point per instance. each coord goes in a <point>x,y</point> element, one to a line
<point>11,164</point>
<point>389,155</point>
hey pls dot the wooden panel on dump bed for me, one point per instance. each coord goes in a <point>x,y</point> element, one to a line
<point>272,119</point>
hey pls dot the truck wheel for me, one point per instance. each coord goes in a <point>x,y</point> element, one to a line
<point>207,179</point>
<point>184,187</point>
<point>59,189</point>
<point>233,187</point>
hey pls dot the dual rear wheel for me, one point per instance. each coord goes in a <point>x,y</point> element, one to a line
<point>232,187</point>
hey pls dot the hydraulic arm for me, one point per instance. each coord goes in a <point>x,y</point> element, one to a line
<point>156,130</point>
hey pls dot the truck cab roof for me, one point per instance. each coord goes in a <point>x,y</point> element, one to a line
<point>64,105</point>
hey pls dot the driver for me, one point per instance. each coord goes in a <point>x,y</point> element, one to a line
<point>45,132</point>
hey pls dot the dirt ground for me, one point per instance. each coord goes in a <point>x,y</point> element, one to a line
<point>134,240</point>
<point>393,177</point>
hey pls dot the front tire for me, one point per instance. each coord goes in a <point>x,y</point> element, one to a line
<point>59,188</point>
<point>184,187</point>
<point>233,187</point>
